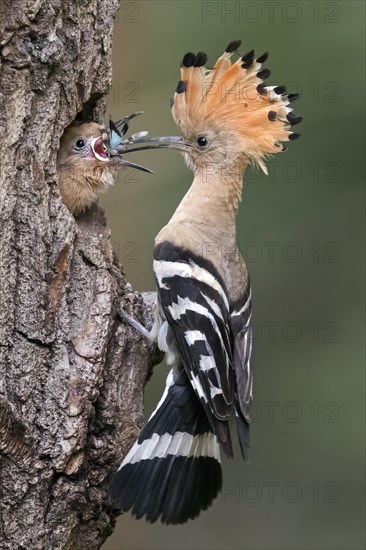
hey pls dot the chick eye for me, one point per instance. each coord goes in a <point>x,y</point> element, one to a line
<point>202,141</point>
<point>80,143</point>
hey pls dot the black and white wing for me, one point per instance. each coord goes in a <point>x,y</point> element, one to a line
<point>240,322</point>
<point>195,303</point>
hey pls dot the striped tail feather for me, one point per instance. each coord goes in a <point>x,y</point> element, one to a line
<point>173,471</point>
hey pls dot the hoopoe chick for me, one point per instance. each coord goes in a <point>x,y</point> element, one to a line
<point>228,119</point>
<point>85,165</point>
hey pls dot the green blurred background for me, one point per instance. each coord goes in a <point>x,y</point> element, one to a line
<point>301,232</point>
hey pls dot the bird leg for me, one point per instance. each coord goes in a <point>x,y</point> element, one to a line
<point>134,323</point>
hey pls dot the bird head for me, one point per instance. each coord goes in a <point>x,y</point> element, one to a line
<point>87,158</point>
<point>89,141</point>
<point>227,114</point>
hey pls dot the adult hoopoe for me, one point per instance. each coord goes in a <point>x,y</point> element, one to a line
<point>228,119</point>
<point>87,159</point>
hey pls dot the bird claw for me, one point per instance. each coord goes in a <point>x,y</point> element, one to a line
<point>133,322</point>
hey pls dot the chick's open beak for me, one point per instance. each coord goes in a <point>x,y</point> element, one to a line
<point>101,152</point>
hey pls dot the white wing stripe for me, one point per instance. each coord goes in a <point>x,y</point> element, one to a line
<point>215,308</point>
<point>193,336</point>
<point>207,363</point>
<point>214,390</point>
<point>164,269</point>
<point>245,306</point>
<point>184,304</point>
<point>197,386</point>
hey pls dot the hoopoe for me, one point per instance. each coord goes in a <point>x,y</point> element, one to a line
<point>228,118</point>
<point>88,158</point>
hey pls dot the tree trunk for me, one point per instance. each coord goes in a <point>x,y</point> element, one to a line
<point>71,373</point>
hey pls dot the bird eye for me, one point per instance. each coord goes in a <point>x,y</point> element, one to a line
<point>202,142</point>
<point>80,143</point>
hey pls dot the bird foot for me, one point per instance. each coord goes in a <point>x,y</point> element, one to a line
<point>134,323</point>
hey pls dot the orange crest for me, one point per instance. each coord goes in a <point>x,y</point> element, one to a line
<point>233,96</point>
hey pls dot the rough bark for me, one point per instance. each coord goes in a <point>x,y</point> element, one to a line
<point>71,373</point>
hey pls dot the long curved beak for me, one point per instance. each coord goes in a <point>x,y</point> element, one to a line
<point>143,144</point>
<point>139,142</point>
<point>128,164</point>
<point>116,145</point>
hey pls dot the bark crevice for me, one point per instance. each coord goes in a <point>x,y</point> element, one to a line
<point>72,372</point>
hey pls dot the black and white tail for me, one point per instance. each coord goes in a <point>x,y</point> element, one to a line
<point>173,471</point>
